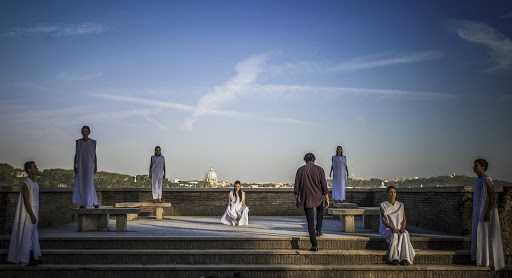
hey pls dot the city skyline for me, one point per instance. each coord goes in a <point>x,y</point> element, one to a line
<point>248,88</point>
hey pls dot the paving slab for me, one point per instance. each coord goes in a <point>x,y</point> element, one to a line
<point>208,227</point>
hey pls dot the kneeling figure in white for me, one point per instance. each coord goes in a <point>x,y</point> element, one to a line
<point>392,228</point>
<point>237,213</point>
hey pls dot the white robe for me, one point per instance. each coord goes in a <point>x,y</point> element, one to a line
<point>157,175</point>
<point>236,213</point>
<point>25,237</point>
<point>84,192</point>
<point>400,247</point>
<point>486,243</point>
<point>339,176</point>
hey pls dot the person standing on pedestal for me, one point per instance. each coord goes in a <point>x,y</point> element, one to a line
<point>486,243</point>
<point>85,166</point>
<point>310,184</point>
<point>24,245</point>
<point>339,166</point>
<point>157,174</point>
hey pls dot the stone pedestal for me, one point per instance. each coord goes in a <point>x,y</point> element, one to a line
<point>92,222</point>
<point>348,224</point>
<point>159,213</point>
<point>121,223</point>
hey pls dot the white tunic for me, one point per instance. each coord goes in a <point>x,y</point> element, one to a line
<point>339,175</point>
<point>157,175</point>
<point>236,213</point>
<point>486,243</point>
<point>24,235</point>
<point>84,192</point>
<point>400,247</point>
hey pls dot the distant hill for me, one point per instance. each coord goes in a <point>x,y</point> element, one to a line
<point>10,176</point>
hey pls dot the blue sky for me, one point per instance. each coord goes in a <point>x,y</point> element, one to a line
<point>248,87</point>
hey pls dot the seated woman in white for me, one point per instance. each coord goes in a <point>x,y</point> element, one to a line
<point>392,228</point>
<point>237,213</point>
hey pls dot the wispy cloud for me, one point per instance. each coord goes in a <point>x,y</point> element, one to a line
<point>247,72</point>
<point>54,30</point>
<point>293,89</point>
<point>45,115</point>
<point>358,63</point>
<point>149,102</point>
<point>244,83</point>
<point>509,15</point>
<point>368,62</point>
<point>66,76</point>
<point>499,46</point>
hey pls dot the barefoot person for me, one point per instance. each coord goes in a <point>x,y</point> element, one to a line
<point>486,244</point>
<point>339,166</point>
<point>311,186</point>
<point>157,174</point>
<point>237,213</point>
<point>86,165</point>
<point>24,246</point>
<point>392,228</point>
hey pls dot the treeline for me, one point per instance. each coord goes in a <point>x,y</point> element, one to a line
<point>9,176</point>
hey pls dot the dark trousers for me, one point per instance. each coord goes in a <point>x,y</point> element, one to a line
<point>310,216</point>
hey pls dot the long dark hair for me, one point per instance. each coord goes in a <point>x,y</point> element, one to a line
<point>239,191</point>
<point>158,147</point>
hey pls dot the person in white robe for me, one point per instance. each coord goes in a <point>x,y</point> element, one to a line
<point>392,229</point>
<point>237,213</point>
<point>340,169</point>
<point>24,245</point>
<point>86,165</point>
<point>157,174</point>
<point>486,243</point>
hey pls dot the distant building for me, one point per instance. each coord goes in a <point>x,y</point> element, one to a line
<point>21,174</point>
<point>174,180</point>
<point>210,179</point>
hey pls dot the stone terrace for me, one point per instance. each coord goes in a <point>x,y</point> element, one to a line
<point>191,242</point>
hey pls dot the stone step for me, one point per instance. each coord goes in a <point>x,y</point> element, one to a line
<point>250,271</point>
<point>238,256</point>
<point>154,242</point>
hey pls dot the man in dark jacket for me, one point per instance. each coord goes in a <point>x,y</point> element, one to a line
<point>310,184</point>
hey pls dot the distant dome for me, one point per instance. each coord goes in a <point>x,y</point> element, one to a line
<point>211,177</point>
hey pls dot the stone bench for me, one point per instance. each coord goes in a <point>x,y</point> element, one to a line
<point>159,208</point>
<point>94,219</point>
<point>370,217</point>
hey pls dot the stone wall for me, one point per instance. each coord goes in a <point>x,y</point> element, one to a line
<point>446,209</point>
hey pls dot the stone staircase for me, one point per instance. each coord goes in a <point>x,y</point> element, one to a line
<point>126,256</point>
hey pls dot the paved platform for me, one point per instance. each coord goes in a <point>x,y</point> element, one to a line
<point>208,226</point>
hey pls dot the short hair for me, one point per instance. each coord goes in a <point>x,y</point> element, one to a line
<point>309,157</point>
<point>389,188</point>
<point>482,163</point>
<point>237,182</point>
<point>86,127</point>
<point>27,165</point>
